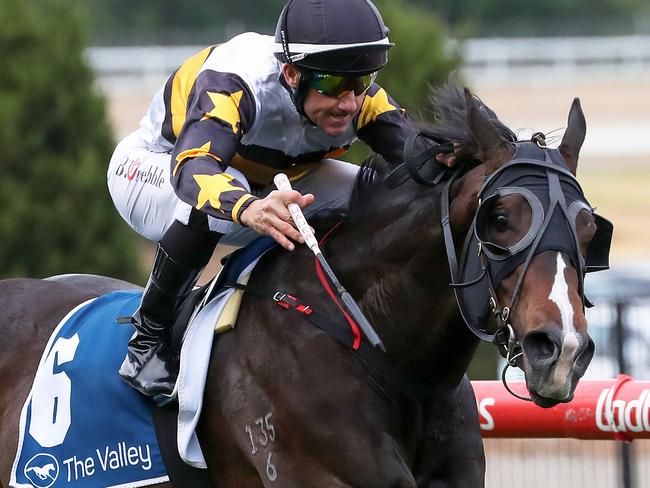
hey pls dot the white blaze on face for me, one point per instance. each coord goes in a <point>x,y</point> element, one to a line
<point>570,342</point>
<point>560,295</point>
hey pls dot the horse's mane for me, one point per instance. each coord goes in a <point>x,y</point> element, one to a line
<point>451,124</point>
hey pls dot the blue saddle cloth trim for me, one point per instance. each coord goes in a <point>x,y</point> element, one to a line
<point>241,258</point>
<point>108,438</point>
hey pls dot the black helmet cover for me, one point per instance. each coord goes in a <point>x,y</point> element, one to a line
<point>332,36</point>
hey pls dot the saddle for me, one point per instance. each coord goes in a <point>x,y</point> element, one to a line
<point>234,265</point>
<point>237,268</point>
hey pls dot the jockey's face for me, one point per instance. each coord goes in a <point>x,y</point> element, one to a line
<point>332,114</point>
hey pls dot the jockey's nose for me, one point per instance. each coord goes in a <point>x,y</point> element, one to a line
<point>348,102</point>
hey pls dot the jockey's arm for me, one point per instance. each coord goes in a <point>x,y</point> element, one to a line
<point>205,146</point>
<point>384,126</point>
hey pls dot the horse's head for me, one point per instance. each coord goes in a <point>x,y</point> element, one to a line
<point>532,237</point>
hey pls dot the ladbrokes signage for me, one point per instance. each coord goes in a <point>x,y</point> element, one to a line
<point>623,415</point>
<point>601,409</point>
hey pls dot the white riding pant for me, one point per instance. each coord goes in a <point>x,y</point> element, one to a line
<point>139,184</point>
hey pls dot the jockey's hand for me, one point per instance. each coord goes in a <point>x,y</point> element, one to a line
<point>450,159</point>
<point>270,216</point>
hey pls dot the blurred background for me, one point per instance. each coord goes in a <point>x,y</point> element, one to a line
<point>77,76</point>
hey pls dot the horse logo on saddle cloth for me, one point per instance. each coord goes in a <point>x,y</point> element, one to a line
<point>82,426</point>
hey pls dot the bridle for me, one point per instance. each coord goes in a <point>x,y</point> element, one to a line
<point>539,175</point>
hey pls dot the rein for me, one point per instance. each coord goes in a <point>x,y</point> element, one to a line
<point>413,163</point>
<point>323,280</point>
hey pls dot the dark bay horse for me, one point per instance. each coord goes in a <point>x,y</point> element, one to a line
<point>287,405</point>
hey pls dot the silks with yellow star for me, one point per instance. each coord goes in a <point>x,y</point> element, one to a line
<point>213,189</point>
<point>226,111</point>
<point>220,110</point>
<point>218,193</point>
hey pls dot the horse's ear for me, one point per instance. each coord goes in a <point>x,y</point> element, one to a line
<point>574,136</point>
<point>493,149</point>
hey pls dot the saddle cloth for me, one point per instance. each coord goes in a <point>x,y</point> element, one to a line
<point>218,315</point>
<point>77,430</point>
<point>81,425</point>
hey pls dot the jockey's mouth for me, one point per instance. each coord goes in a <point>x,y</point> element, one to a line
<point>340,117</point>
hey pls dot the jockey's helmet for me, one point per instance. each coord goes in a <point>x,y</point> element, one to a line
<point>345,37</point>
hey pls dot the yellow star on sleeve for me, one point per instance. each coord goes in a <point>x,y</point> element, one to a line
<point>212,186</point>
<point>196,152</point>
<point>226,108</point>
<point>373,106</point>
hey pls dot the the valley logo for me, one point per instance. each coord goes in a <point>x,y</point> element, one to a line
<point>132,171</point>
<point>42,470</point>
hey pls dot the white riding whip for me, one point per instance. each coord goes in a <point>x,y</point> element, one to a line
<point>282,183</point>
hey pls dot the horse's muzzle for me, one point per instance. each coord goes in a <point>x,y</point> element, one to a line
<point>554,361</point>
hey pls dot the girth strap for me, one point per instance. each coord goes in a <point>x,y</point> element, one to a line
<point>180,474</point>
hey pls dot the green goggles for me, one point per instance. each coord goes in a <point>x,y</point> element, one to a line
<point>338,85</point>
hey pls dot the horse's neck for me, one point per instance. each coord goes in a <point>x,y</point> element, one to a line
<point>396,267</point>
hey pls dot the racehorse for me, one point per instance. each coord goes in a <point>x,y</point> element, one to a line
<point>287,405</point>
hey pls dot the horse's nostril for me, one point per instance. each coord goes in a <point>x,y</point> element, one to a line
<point>584,356</point>
<point>540,348</point>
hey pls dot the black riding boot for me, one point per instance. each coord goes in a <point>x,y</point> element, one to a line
<point>151,365</point>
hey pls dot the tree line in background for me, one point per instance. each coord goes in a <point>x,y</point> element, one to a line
<point>124,22</point>
<point>55,142</point>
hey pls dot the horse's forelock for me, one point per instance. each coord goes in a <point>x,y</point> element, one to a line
<point>451,122</point>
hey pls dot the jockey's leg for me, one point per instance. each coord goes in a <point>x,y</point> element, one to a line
<point>139,184</point>
<point>138,181</point>
<point>151,365</point>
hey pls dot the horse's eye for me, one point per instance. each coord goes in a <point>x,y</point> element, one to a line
<point>500,221</point>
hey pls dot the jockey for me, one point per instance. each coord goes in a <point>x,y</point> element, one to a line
<point>201,164</point>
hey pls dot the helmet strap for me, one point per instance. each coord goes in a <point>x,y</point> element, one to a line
<point>299,95</point>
